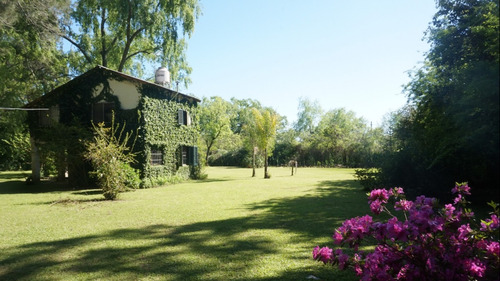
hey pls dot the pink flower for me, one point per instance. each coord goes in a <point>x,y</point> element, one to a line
<point>404,205</point>
<point>342,258</point>
<point>376,207</point>
<point>490,224</point>
<point>397,191</point>
<point>493,248</point>
<point>461,189</point>
<point>396,230</point>
<point>464,231</point>
<point>476,267</point>
<point>431,244</point>
<point>381,195</point>
<point>323,254</point>
<point>448,211</point>
<point>337,238</point>
<point>458,199</point>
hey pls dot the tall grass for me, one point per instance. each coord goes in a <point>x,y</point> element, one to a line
<point>228,227</point>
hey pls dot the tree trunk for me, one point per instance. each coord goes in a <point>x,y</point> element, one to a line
<point>253,161</point>
<point>35,162</point>
<point>266,174</point>
<point>208,153</point>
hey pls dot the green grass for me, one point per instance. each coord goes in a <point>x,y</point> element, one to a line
<point>228,227</point>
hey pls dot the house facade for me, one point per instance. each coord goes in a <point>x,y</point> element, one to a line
<point>163,122</point>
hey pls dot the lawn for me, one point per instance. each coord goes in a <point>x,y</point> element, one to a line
<point>228,227</point>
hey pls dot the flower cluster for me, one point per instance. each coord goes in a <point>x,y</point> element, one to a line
<point>431,243</point>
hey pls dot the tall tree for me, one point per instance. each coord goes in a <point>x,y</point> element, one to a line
<point>308,116</point>
<point>124,34</point>
<point>338,133</point>
<point>242,113</point>
<point>30,64</point>
<point>214,121</point>
<point>265,133</point>
<point>454,130</point>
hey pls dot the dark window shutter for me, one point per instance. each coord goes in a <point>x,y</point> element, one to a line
<point>193,156</point>
<point>180,116</point>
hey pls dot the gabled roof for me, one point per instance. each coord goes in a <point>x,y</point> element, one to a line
<point>100,70</point>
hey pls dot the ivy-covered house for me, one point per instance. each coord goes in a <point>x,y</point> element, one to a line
<point>163,121</point>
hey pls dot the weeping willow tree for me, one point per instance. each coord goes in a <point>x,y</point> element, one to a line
<point>124,34</point>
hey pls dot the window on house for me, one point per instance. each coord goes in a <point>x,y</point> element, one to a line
<point>189,155</point>
<point>103,112</point>
<point>156,157</point>
<point>184,155</point>
<point>184,118</point>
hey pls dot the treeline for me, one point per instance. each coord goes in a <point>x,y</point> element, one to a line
<point>45,44</point>
<point>447,132</point>
<point>336,138</point>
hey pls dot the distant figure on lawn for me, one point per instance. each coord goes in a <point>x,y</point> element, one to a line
<point>294,164</point>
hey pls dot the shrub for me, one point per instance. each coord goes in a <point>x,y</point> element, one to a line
<point>197,173</point>
<point>111,158</point>
<point>370,178</point>
<point>431,243</point>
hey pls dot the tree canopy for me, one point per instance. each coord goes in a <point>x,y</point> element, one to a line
<point>123,35</point>
<point>451,129</point>
<point>214,121</point>
<point>30,65</point>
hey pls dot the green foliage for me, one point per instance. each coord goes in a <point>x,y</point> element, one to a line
<point>241,114</point>
<point>198,172</point>
<point>214,121</point>
<point>163,180</point>
<point>370,178</point>
<point>340,139</point>
<point>111,158</point>
<point>161,131</point>
<point>14,150</point>
<point>239,157</point>
<point>30,64</point>
<point>123,35</point>
<point>453,112</point>
<point>308,117</point>
<point>264,132</point>
<point>286,149</point>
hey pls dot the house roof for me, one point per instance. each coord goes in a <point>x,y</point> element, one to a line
<point>99,69</point>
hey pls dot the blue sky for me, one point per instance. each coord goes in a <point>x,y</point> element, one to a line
<point>351,54</point>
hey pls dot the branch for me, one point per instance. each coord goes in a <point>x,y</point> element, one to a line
<point>136,33</point>
<point>104,52</point>
<point>138,52</point>
<point>87,57</point>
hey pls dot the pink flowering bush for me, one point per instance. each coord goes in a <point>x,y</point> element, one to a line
<point>431,243</point>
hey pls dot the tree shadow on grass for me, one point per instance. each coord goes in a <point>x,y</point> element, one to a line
<point>13,175</point>
<point>156,250</point>
<point>317,213</point>
<point>21,187</point>
<point>224,249</point>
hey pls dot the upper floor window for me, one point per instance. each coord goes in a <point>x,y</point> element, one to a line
<point>103,112</point>
<point>183,117</point>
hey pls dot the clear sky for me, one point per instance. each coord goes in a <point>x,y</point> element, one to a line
<point>351,54</point>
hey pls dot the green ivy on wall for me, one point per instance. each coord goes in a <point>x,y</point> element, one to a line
<point>162,131</point>
<point>155,121</point>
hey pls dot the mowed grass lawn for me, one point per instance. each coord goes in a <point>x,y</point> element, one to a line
<point>228,227</point>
